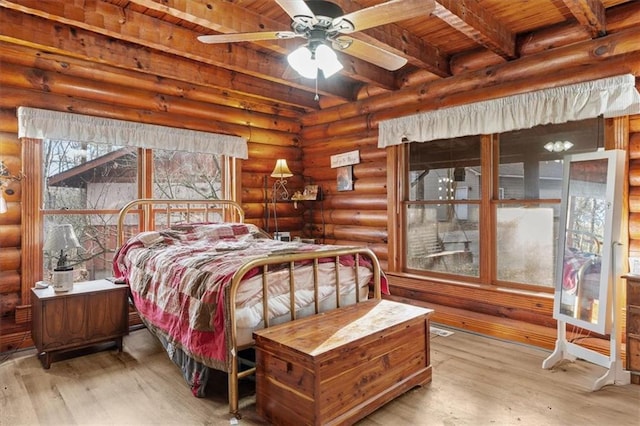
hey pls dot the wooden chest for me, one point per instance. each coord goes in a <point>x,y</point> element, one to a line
<point>337,367</point>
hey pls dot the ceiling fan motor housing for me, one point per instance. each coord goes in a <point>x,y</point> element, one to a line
<point>324,9</point>
<point>325,15</point>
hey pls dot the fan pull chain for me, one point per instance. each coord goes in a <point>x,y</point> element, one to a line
<point>316,97</point>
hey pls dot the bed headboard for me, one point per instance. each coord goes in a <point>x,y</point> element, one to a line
<point>157,213</point>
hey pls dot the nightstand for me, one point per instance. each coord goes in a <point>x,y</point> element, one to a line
<point>92,312</point>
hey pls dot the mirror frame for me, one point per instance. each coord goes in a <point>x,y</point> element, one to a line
<point>601,312</point>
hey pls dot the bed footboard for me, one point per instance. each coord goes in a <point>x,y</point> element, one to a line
<point>354,256</point>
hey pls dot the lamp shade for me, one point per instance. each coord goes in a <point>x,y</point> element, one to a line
<point>61,238</point>
<point>281,170</point>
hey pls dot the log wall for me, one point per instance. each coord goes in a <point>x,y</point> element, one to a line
<point>348,217</point>
<point>10,222</point>
<point>358,215</point>
<point>49,82</point>
<point>634,186</point>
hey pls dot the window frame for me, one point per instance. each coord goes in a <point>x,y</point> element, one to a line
<point>407,202</point>
<point>615,135</point>
<point>34,213</point>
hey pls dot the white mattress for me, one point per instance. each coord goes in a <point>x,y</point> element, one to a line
<point>249,307</point>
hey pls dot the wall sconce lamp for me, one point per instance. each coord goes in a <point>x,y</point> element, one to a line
<point>5,178</point>
<point>558,146</point>
<point>281,172</point>
<point>61,239</point>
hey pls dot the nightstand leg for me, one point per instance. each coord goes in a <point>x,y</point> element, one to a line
<point>119,344</point>
<point>45,359</point>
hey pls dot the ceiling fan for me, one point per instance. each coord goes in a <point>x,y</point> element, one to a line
<point>324,25</point>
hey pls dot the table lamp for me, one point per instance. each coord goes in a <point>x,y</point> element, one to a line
<point>60,239</point>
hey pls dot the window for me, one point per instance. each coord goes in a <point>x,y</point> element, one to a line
<point>442,209</point>
<point>85,185</point>
<point>445,211</point>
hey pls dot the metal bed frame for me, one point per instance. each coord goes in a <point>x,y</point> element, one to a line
<point>229,210</point>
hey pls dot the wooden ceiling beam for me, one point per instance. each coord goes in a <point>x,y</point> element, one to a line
<point>110,20</point>
<point>61,65</point>
<point>228,18</point>
<point>468,17</point>
<point>590,14</point>
<point>27,30</point>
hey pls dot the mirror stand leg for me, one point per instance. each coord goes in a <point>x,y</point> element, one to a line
<point>560,352</point>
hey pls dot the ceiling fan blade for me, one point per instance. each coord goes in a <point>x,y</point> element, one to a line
<point>383,13</point>
<point>370,53</point>
<point>299,11</point>
<point>233,37</point>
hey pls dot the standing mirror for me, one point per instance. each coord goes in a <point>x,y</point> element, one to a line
<point>590,218</point>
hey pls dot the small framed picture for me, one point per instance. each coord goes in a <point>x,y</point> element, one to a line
<point>634,265</point>
<point>310,192</point>
<point>345,178</point>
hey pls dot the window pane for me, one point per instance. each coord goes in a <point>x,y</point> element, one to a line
<point>442,233</point>
<point>526,244</point>
<point>96,234</point>
<point>447,169</point>
<point>531,159</point>
<point>97,179</point>
<point>88,176</point>
<point>187,175</point>
<point>531,168</point>
<point>443,238</point>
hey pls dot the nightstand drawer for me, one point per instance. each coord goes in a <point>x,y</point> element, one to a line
<point>633,352</point>
<point>633,320</point>
<point>633,325</point>
<point>633,292</point>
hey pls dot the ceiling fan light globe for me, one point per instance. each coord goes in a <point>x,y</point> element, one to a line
<point>302,61</point>
<point>309,70</point>
<point>299,57</point>
<point>327,60</point>
<point>328,71</point>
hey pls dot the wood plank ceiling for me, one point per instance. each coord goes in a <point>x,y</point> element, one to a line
<point>451,37</point>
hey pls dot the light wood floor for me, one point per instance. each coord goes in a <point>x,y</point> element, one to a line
<point>476,381</point>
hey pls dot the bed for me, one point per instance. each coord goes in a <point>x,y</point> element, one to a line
<point>197,274</point>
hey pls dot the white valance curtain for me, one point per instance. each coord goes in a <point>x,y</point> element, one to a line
<point>610,97</point>
<point>44,124</point>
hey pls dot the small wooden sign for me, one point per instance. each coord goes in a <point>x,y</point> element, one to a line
<point>345,159</point>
